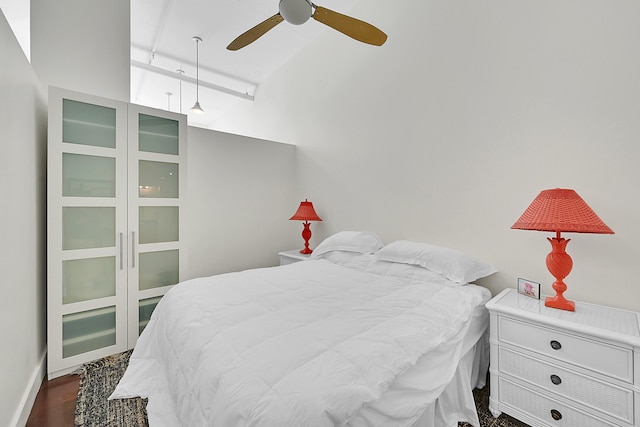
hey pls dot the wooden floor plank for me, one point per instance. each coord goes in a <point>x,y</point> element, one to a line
<point>55,403</point>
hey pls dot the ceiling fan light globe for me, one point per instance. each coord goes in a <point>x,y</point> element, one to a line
<point>295,11</point>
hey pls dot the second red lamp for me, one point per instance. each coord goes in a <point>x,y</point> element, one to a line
<point>306,213</point>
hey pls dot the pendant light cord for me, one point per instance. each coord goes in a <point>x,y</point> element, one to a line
<point>181,72</point>
<point>197,39</point>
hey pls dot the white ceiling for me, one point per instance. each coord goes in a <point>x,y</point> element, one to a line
<point>162,42</point>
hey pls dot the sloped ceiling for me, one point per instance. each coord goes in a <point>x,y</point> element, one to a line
<point>162,43</point>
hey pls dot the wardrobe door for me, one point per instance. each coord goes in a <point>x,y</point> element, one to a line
<point>157,198</point>
<point>86,226</point>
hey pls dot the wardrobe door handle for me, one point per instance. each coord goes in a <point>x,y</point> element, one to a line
<point>556,379</point>
<point>133,249</point>
<point>121,251</point>
<point>555,345</point>
<point>556,415</point>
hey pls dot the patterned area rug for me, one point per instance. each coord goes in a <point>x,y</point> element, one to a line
<point>98,380</point>
<point>481,396</point>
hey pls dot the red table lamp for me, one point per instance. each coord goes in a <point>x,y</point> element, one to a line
<point>306,213</point>
<point>560,210</point>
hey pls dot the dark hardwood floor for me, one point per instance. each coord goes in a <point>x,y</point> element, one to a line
<point>55,403</point>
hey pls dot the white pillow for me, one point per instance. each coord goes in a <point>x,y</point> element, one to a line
<point>452,264</point>
<point>363,242</point>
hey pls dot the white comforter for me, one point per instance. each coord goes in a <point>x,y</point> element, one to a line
<point>307,344</point>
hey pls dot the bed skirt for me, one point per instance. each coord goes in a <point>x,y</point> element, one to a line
<point>456,402</point>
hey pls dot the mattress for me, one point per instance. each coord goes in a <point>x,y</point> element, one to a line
<point>311,343</point>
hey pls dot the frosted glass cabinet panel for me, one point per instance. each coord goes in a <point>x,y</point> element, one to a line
<point>88,330</point>
<point>159,269</point>
<point>159,224</point>
<point>86,279</point>
<point>88,124</point>
<point>88,176</point>
<point>88,227</point>
<point>158,179</point>
<point>158,135</point>
<point>115,203</point>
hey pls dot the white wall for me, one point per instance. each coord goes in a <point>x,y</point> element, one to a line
<point>447,132</point>
<point>241,194</point>
<point>22,227</point>
<point>82,45</point>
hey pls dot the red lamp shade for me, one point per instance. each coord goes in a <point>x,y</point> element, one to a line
<point>560,210</point>
<point>306,213</point>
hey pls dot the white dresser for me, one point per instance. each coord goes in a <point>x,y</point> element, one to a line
<point>289,257</point>
<point>554,367</point>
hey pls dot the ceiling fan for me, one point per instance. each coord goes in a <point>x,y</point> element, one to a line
<point>299,11</point>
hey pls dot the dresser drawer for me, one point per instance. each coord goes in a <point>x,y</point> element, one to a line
<point>610,360</point>
<point>607,398</point>
<point>544,409</point>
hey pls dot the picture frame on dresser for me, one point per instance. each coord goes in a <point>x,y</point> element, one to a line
<point>528,288</point>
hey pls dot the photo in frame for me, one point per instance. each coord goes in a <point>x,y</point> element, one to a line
<point>529,288</point>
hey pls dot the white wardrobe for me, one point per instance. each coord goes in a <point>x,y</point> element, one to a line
<point>115,212</point>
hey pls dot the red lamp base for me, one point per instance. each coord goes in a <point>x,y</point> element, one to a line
<point>306,235</point>
<point>559,264</point>
<point>560,303</point>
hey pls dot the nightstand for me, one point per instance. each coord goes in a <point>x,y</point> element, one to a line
<point>289,257</point>
<point>554,367</point>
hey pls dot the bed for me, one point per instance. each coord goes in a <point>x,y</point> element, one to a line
<point>361,334</point>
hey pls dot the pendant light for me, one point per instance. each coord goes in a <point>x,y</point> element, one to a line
<point>197,109</point>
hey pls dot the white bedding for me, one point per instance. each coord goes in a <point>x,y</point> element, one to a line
<point>308,344</point>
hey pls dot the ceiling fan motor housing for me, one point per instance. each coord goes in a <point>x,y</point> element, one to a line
<point>295,11</point>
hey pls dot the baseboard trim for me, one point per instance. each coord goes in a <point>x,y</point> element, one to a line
<point>29,396</point>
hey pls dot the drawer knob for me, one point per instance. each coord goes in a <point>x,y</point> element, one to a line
<point>556,415</point>
<point>555,345</point>
<point>556,379</point>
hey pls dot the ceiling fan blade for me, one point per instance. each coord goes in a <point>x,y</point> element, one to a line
<point>255,33</point>
<point>349,26</point>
